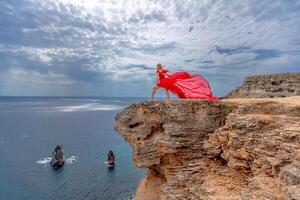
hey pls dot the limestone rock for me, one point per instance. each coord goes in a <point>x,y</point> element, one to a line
<point>231,149</point>
<point>293,192</point>
<point>268,86</point>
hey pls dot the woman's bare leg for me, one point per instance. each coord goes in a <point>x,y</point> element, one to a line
<point>153,92</point>
<point>167,94</point>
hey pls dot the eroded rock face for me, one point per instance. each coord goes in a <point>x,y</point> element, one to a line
<point>268,86</point>
<point>231,149</point>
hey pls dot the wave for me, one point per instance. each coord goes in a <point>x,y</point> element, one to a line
<point>83,100</point>
<point>44,161</point>
<point>71,160</point>
<point>89,107</point>
<point>92,100</point>
<point>67,107</point>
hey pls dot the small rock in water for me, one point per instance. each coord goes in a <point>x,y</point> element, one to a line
<point>58,158</point>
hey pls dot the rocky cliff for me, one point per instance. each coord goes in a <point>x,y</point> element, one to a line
<point>264,86</point>
<point>230,149</point>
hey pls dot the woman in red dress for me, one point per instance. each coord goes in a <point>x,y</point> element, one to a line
<point>161,73</point>
<point>183,84</point>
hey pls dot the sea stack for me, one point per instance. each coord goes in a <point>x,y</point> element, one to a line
<point>57,160</point>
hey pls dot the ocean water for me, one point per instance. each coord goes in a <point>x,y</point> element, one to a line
<point>30,128</point>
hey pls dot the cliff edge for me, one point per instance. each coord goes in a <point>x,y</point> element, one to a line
<point>230,149</point>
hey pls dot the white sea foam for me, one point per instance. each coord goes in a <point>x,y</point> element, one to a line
<point>71,160</point>
<point>44,161</point>
<point>89,107</point>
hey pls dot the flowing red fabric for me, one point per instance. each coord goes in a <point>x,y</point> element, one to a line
<point>185,85</point>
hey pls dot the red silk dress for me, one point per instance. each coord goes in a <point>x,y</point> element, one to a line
<point>185,85</point>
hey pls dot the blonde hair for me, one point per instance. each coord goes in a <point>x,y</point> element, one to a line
<point>160,66</point>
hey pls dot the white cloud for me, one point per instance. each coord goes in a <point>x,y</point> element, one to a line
<point>109,36</point>
<point>133,23</point>
<point>20,75</point>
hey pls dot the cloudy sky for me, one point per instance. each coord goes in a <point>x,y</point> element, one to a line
<point>111,47</point>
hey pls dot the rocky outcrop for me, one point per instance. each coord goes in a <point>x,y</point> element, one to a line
<point>268,86</point>
<point>57,160</point>
<point>231,149</point>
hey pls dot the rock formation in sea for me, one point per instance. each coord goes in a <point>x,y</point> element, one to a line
<point>231,149</point>
<point>264,86</point>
